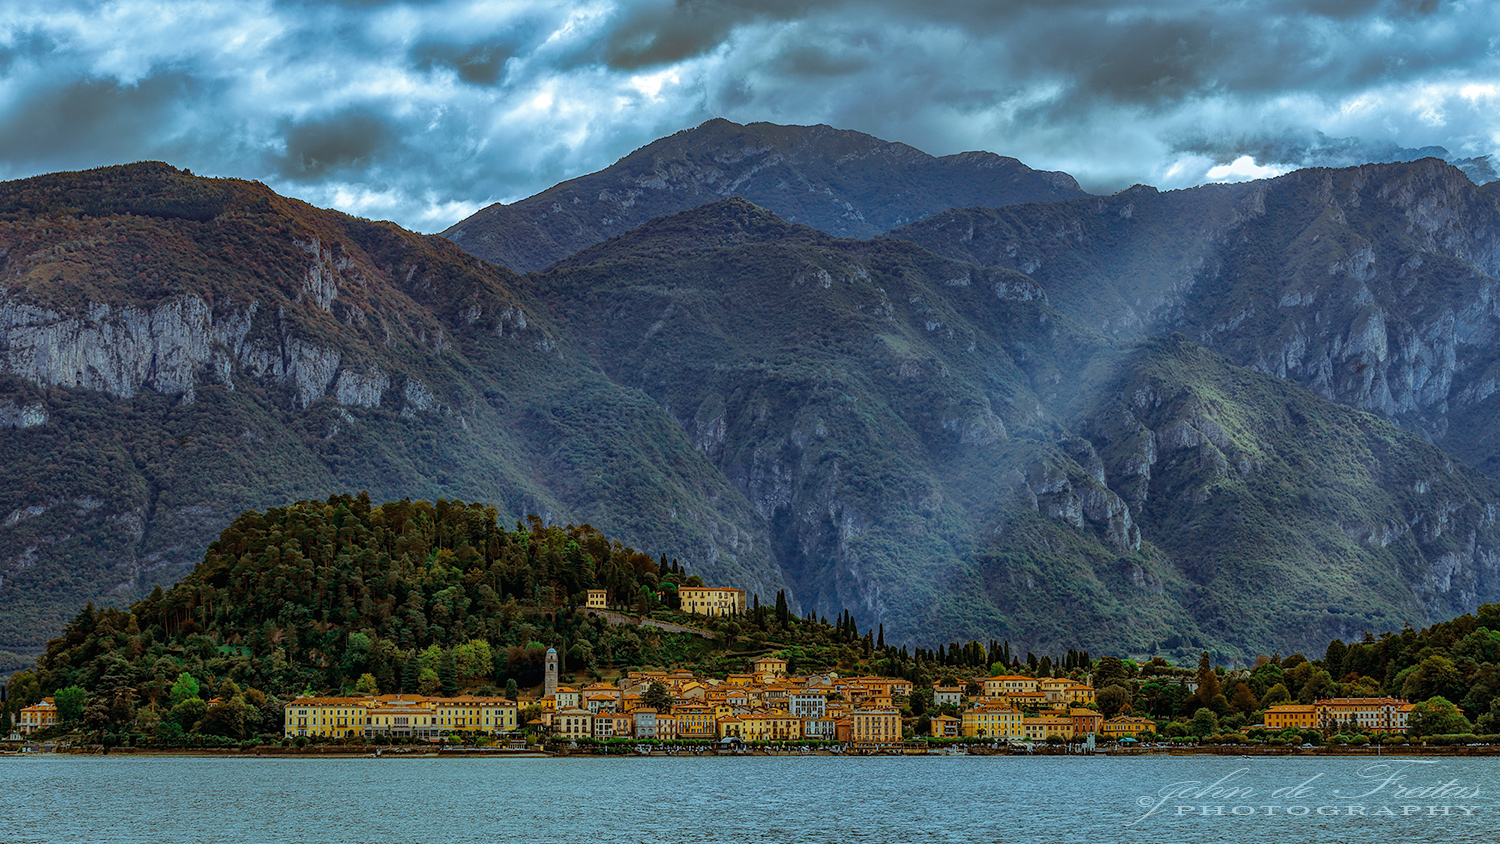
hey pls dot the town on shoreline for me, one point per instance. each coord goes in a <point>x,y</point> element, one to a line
<point>771,711</point>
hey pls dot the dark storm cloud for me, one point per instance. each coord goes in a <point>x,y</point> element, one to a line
<point>1313,149</point>
<point>350,140</point>
<point>424,111</point>
<point>91,121</point>
<point>476,64</point>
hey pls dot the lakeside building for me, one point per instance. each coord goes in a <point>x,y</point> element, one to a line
<point>398,716</point>
<point>37,716</point>
<point>1300,716</point>
<point>329,717</point>
<point>1123,725</point>
<point>875,726</point>
<point>945,726</point>
<point>1000,722</point>
<point>1368,714</point>
<point>597,599</point>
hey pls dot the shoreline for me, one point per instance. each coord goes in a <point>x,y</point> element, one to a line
<point>396,752</point>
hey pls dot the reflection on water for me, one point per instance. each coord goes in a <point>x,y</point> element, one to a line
<point>797,799</point>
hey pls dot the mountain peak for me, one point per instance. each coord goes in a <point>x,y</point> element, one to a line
<point>839,181</point>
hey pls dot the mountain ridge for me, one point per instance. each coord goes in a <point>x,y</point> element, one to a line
<point>845,183</point>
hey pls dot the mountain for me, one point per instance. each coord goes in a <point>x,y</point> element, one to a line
<point>936,447</point>
<point>1048,434</point>
<point>844,183</point>
<point>1376,286</point>
<point>175,350</point>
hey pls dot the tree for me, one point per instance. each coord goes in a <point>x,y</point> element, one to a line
<point>1434,676</point>
<point>1243,700</point>
<point>658,697</point>
<point>70,703</point>
<point>1333,658</point>
<point>921,700</point>
<point>1112,699</point>
<point>1205,723</point>
<point>1208,680</point>
<point>512,691</point>
<point>448,674</point>
<point>185,688</point>
<point>1277,694</point>
<point>1437,717</point>
<point>366,685</point>
<point>188,713</point>
<point>1111,672</point>
<point>233,718</point>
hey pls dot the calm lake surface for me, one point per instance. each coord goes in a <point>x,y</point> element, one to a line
<point>813,799</point>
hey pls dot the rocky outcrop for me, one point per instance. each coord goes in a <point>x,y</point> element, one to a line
<point>173,347</point>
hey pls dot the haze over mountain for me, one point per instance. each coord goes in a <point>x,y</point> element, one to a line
<point>845,183</point>
<point>1061,423</point>
<point>933,445</point>
<point>1377,286</point>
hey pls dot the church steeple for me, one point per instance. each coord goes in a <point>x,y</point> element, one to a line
<point>549,685</point>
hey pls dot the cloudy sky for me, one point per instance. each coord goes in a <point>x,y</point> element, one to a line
<point>424,111</point>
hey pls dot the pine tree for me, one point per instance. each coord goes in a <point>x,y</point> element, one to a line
<point>448,674</point>
<point>411,676</point>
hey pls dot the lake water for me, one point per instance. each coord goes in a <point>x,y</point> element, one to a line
<point>54,799</point>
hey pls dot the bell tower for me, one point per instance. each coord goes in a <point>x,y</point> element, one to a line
<point>549,685</point>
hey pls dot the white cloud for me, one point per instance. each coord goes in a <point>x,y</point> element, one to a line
<point>1243,169</point>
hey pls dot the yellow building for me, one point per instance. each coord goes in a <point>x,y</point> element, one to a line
<point>694,720</point>
<point>330,717</point>
<point>1296,715</point>
<point>762,725</point>
<point>875,726</point>
<point>992,722</point>
<point>402,716</point>
<point>469,714</point>
<point>769,668</point>
<point>1124,725</point>
<point>37,716</point>
<point>1026,700</point>
<point>1079,694</point>
<point>1005,684</point>
<point>1369,714</point>
<point>711,600</point>
<point>945,726</point>
<point>1043,727</point>
<point>1054,688</point>
<point>598,599</point>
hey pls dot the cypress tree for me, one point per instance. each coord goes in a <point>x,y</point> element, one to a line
<point>448,674</point>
